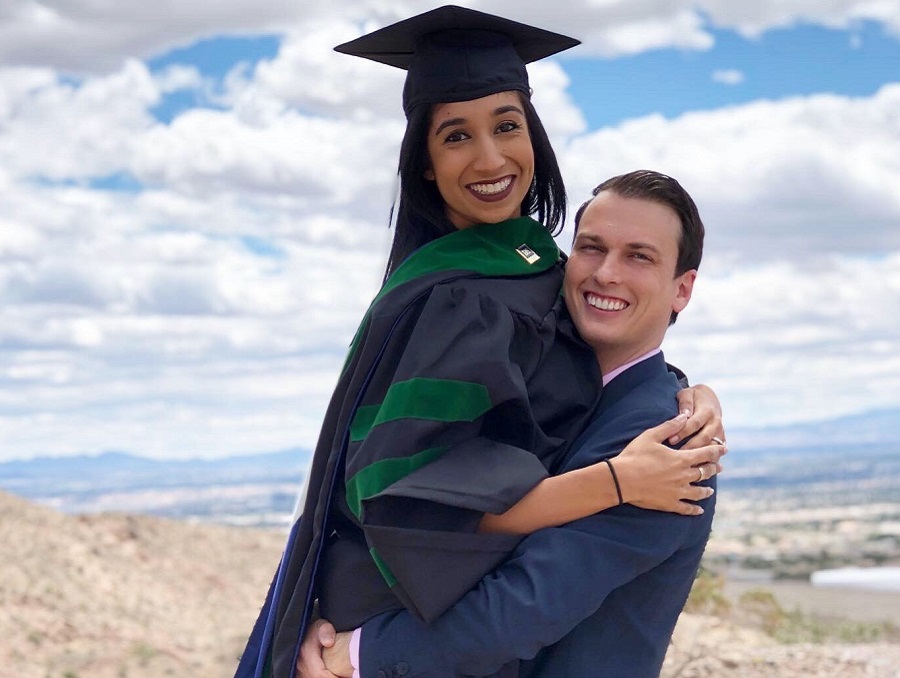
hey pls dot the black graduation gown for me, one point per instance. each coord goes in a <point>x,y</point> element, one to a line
<point>463,385</point>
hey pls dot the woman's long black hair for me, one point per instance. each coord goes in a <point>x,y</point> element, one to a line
<point>421,213</point>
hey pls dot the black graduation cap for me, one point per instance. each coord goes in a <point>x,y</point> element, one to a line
<point>456,54</point>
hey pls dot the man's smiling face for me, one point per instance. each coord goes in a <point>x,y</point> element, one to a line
<point>620,282</point>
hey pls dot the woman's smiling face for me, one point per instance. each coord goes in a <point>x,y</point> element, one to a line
<point>481,158</point>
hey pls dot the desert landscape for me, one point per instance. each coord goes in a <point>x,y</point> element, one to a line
<point>117,595</point>
<point>125,596</point>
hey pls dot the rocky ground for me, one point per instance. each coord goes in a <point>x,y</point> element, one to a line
<point>705,646</point>
<point>124,596</point>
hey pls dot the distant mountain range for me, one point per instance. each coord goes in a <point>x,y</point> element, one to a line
<point>878,427</point>
<point>858,454</point>
<point>115,469</point>
<point>258,489</point>
<point>856,458</point>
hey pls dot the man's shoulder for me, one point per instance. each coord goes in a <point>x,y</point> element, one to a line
<point>640,398</point>
<point>647,387</point>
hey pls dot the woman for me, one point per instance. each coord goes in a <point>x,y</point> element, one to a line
<point>465,380</point>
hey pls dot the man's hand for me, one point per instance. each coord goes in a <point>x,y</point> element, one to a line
<point>337,657</point>
<point>704,418</point>
<point>320,638</point>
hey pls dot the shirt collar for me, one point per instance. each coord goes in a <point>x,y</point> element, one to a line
<point>616,372</point>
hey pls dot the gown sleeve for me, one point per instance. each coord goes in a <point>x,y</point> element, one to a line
<point>444,433</point>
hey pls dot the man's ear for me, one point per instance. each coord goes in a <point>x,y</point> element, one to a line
<point>685,284</point>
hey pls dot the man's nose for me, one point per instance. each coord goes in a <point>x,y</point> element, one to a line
<point>608,270</point>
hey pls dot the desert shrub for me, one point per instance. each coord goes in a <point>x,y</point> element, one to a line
<point>760,609</point>
<point>707,595</point>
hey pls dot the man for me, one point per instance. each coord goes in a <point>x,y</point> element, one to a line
<point>599,596</point>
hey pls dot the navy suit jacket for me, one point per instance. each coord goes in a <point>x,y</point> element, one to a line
<point>596,597</point>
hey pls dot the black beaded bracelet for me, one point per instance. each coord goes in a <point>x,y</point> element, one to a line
<point>615,480</point>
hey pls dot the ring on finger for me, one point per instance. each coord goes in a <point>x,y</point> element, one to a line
<point>718,441</point>
<point>702,474</point>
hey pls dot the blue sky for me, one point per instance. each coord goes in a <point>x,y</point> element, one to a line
<point>214,58</point>
<point>193,205</point>
<point>784,62</point>
<point>781,63</point>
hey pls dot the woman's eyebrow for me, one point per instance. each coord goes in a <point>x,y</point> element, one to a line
<point>449,123</point>
<point>502,110</point>
<point>508,109</point>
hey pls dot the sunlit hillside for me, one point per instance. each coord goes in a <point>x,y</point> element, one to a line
<point>128,596</point>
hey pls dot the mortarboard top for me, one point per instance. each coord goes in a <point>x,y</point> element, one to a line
<point>456,54</point>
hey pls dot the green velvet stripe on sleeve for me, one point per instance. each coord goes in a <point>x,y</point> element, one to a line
<point>383,568</point>
<point>433,399</point>
<point>374,478</point>
<point>444,400</point>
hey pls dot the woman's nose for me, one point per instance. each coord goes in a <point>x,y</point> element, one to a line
<point>490,157</point>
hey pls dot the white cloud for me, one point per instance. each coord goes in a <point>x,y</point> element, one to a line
<point>793,317</point>
<point>797,179</point>
<point>630,29</point>
<point>311,159</point>
<point>784,343</point>
<point>754,18</point>
<point>178,77</point>
<point>209,313</point>
<point>309,75</point>
<point>81,36</point>
<point>560,116</point>
<point>58,129</point>
<point>728,76</point>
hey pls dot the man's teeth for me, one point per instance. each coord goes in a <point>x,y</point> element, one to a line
<point>606,304</point>
<point>490,189</point>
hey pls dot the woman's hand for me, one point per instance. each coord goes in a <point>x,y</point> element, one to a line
<point>704,421</point>
<point>321,639</point>
<point>654,476</point>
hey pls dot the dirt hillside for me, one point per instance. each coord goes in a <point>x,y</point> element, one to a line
<point>125,596</point>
